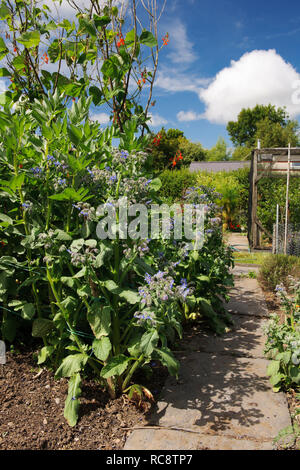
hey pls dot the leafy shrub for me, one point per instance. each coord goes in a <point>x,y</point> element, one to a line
<point>175,183</point>
<point>283,340</point>
<point>275,269</point>
<point>272,191</point>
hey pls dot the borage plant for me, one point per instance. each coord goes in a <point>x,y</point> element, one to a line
<point>283,340</point>
<point>110,311</point>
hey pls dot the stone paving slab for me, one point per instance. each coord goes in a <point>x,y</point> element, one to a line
<point>247,298</point>
<point>167,439</point>
<point>246,338</point>
<point>244,269</point>
<point>224,396</point>
<point>237,241</point>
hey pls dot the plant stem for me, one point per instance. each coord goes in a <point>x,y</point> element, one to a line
<point>132,370</point>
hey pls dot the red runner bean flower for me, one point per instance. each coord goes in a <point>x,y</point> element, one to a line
<point>166,39</point>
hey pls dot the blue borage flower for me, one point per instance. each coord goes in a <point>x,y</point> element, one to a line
<point>113,178</point>
<point>124,154</point>
<point>90,172</point>
<point>37,170</point>
<point>144,316</point>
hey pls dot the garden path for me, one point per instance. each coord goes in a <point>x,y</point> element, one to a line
<point>222,399</point>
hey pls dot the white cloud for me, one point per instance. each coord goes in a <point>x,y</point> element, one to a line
<point>184,116</point>
<point>174,81</point>
<point>102,118</point>
<point>181,48</point>
<point>258,77</point>
<point>66,10</point>
<point>157,121</point>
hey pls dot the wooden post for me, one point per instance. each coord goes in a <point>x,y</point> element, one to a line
<point>287,200</point>
<point>254,228</point>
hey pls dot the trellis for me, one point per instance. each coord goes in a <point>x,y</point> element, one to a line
<point>270,162</point>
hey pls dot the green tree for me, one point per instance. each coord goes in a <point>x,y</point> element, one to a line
<point>243,131</point>
<point>191,151</point>
<point>241,153</point>
<point>219,152</point>
<point>167,145</point>
<point>164,147</point>
<point>273,134</point>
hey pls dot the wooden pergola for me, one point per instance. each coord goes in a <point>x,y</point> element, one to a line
<point>268,162</point>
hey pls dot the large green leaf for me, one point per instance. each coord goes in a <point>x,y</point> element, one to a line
<point>295,374</point>
<point>130,296</point>
<point>96,94</point>
<point>275,379</point>
<point>167,359</point>
<point>149,342</point>
<point>148,39</point>
<point>102,348</point>
<point>9,328</point>
<point>99,319</point>
<point>26,309</point>
<point>72,402</point>
<point>71,364</point>
<point>101,21</point>
<point>104,255</point>
<point>41,327</point>
<point>3,48</point>
<point>30,39</point>
<point>284,357</point>
<point>4,72</point>
<point>273,367</point>
<point>115,366</point>
<point>44,353</point>
<point>70,194</point>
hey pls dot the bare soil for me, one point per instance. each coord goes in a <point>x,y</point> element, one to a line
<point>32,410</point>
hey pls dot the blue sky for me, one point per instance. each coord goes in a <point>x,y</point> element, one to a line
<point>199,88</point>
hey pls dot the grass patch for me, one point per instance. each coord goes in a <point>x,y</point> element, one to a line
<point>250,258</point>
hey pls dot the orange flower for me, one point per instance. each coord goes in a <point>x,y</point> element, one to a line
<point>166,39</point>
<point>176,158</point>
<point>156,140</point>
<point>45,58</point>
<point>121,42</point>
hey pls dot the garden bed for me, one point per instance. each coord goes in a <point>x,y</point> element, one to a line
<point>292,397</point>
<point>32,410</point>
